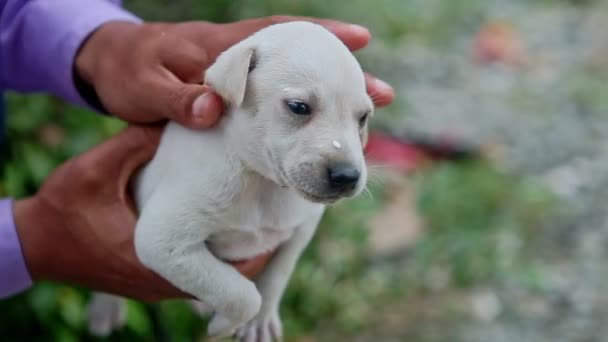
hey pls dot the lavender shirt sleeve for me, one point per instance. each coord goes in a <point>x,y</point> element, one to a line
<point>39,40</point>
<point>14,276</point>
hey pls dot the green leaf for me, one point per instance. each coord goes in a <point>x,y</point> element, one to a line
<point>137,319</point>
<point>72,307</point>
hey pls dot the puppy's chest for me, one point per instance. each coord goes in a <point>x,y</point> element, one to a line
<point>255,225</point>
<point>238,245</point>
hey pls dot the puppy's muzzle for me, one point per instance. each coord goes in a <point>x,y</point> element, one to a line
<point>343,177</point>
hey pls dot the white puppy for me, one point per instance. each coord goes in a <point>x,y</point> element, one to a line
<point>290,143</point>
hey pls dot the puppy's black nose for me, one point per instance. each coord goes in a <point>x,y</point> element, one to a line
<point>343,176</point>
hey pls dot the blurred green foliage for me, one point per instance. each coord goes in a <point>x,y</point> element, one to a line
<point>43,131</point>
<point>478,218</point>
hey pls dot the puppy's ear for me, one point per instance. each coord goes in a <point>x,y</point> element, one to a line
<point>364,136</point>
<point>228,75</point>
<point>364,131</point>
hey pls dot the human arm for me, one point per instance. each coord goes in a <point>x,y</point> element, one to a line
<point>94,53</point>
<point>150,72</point>
<point>40,40</point>
<point>38,44</point>
<point>79,227</point>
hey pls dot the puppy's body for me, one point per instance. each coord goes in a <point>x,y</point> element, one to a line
<point>238,213</point>
<point>291,143</point>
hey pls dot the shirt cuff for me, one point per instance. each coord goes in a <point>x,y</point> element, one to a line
<point>85,21</point>
<point>14,276</point>
<point>59,28</point>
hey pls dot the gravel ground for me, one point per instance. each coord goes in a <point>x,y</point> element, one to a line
<point>546,119</point>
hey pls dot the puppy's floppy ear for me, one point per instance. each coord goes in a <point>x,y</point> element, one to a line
<point>364,131</point>
<point>364,135</point>
<point>228,75</point>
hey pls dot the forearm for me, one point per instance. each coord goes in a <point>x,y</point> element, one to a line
<point>14,275</point>
<point>39,41</point>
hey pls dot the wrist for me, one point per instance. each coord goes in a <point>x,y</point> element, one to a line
<point>28,225</point>
<point>95,48</point>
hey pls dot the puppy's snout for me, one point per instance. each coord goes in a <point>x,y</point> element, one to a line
<point>343,176</point>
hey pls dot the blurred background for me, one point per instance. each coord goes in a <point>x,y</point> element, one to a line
<point>486,216</point>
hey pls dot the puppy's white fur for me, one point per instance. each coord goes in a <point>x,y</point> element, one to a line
<point>258,181</point>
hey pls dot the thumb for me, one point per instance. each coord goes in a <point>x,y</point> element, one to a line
<point>191,105</point>
<point>107,166</point>
<point>122,155</point>
<point>139,141</point>
<point>206,108</point>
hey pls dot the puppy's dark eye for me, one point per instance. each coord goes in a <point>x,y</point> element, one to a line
<point>298,107</point>
<point>363,120</point>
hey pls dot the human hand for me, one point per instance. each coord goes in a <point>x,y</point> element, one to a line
<point>150,72</point>
<point>79,227</point>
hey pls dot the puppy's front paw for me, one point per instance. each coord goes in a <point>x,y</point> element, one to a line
<point>220,326</point>
<point>240,308</point>
<point>263,328</point>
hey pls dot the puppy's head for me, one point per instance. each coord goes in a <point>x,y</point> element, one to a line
<point>299,109</point>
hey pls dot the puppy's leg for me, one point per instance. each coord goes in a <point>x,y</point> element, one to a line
<point>170,239</point>
<point>267,326</point>
<point>202,309</point>
<point>105,313</point>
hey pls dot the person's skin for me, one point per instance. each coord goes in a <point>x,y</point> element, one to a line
<point>145,73</point>
<point>79,227</point>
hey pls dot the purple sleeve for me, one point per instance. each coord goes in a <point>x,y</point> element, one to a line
<point>39,40</point>
<point>14,276</point>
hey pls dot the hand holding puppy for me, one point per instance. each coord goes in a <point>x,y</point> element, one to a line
<point>79,227</point>
<point>150,72</point>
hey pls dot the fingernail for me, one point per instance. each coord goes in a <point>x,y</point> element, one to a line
<point>200,106</point>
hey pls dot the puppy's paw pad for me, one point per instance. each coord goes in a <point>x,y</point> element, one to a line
<point>105,314</point>
<point>264,328</point>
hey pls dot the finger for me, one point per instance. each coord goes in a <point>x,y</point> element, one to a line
<point>139,141</point>
<point>109,167</point>
<point>191,105</point>
<point>183,58</point>
<point>132,147</point>
<point>164,289</point>
<point>152,291</point>
<point>380,92</point>
<point>135,146</point>
<point>353,36</point>
<point>107,159</point>
<point>252,267</point>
